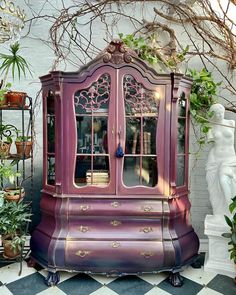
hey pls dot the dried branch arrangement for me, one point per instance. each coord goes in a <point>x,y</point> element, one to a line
<point>208,26</point>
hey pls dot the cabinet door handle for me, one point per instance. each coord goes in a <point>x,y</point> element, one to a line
<point>115,222</point>
<point>147,208</point>
<point>115,244</point>
<point>147,254</point>
<point>84,207</point>
<point>83,229</point>
<point>82,253</point>
<point>146,230</point>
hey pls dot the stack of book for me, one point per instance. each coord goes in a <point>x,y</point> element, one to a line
<point>97,177</point>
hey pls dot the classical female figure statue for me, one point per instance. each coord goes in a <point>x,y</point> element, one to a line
<point>221,162</point>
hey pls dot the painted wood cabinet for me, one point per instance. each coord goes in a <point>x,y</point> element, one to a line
<point>115,169</point>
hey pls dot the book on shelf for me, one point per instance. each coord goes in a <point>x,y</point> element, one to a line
<point>97,177</point>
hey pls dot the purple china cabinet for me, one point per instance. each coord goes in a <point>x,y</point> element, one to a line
<point>115,170</point>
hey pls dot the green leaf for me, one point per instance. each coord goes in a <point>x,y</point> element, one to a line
<point>228,221</point>
<point>226,235</point>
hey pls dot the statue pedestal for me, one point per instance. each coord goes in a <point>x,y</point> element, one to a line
<point>217,258</point>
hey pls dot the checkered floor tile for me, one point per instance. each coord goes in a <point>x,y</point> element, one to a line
<point>31,282</point>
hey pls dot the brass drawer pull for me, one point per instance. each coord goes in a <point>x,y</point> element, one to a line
<point>146,230</point>
<point>84,207</point>
<point>115,223</point>
<point>115,244</point>
<point>82,253</point>
<point>147,254</point>
<point>115,204</point>
<point>83,229</point>
<point>147,208</point>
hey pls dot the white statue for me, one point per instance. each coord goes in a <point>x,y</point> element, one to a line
<point>221,162</point>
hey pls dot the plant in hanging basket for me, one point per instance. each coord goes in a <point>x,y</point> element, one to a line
<point>13,227</point>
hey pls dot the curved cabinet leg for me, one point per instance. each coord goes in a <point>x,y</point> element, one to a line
<point>176,280</point>
<point>52,279</point>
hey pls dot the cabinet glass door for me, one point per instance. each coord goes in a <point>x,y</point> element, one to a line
<point>139,170</point>
<point>92,108</point>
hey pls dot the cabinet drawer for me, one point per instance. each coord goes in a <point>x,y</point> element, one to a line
<point>114,228</point>
<point>114,256</point>
<point>111,207</point>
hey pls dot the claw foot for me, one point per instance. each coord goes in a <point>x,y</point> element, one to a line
<point>175,279</point>
<point>52,279</point>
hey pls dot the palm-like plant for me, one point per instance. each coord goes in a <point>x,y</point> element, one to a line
<point>14,62</point>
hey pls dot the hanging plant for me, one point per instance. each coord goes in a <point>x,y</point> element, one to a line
<point>203,96</point>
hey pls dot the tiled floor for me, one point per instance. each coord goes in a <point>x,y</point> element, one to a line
<point>31,282</point>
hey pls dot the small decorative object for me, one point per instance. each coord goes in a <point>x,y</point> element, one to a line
<point>119,151</point>
<point>6,131</point>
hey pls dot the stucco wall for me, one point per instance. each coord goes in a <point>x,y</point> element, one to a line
<point>40,56</point>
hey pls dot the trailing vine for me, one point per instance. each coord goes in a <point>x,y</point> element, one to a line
<point>204,88</point>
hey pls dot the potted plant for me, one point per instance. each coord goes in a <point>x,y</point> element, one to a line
<point>14,193</point>
<point>18,65</point>
<point>3,91</point>
<point>231,221</point>
<point>23,145</point>
<point>13,227</point>
<point>6,131</point>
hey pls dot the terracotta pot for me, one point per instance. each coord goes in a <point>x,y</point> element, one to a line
<point>24,148</point>
<point>8,251</point>
<point>16,98</point>
<point>14,194</point>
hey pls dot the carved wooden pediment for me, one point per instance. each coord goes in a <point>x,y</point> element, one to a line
<point>117,52</point>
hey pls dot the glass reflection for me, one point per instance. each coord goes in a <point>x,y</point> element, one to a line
<point>180,177</point>
<point>181,136</point>
<point>50,103</point>
<point>133,129</point>
<point>100,142</point>
<point>182,105</point>
<point>51,170</point>
<point>131,172</point>
<point>149,171</point>
<point>84,126</point>
<point>51,133</point>
<point>149,135</point>
<point>100,174</point>
<point>83,165</point>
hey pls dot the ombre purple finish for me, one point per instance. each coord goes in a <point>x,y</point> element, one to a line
<point>114,229</point>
